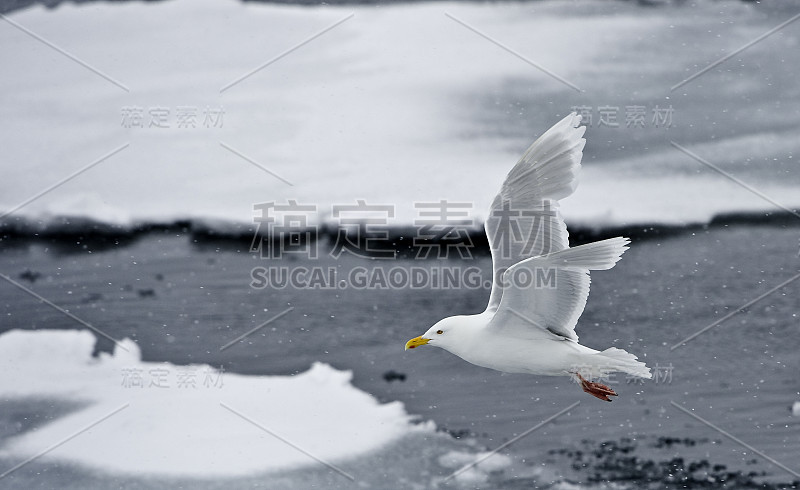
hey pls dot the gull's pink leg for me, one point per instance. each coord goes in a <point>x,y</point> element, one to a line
<point>597,390</point>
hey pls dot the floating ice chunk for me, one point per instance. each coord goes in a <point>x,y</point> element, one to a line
<point>188,420</point>
<point>482,464</point>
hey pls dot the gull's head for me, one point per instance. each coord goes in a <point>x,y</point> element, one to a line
<point>447,334</point>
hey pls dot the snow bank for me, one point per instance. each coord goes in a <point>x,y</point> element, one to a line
<point>397,104</point>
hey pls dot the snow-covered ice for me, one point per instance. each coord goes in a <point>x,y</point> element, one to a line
<point>188,420</point>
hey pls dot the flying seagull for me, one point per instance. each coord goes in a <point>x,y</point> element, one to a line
<point>540,283</point>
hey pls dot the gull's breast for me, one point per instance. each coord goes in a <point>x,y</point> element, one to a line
<point>514,355</point>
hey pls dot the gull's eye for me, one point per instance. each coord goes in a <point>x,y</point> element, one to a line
<point>440,332</point>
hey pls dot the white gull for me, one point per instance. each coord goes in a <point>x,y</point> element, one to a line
<point>540,283</point>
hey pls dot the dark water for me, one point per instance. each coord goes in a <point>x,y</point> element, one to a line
<point>181,301</point>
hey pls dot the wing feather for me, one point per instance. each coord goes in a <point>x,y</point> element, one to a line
<point>524,219</point>
<point>547,294</point>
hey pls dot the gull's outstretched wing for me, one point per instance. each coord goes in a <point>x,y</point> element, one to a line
<point>524,220</point>
<point>545,295</point>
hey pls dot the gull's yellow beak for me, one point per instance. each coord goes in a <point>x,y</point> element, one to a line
<point>416,342</point>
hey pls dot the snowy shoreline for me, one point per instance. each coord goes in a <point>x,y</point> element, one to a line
<point>399,237</point>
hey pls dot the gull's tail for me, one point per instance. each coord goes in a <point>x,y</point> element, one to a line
<point>596,256</point>
<point>614,359</point>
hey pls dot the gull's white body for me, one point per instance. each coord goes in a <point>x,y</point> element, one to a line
<point>478,345</point>
<point>532,329</point>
